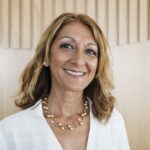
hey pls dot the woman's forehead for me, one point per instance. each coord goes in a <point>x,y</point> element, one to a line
<point>75,29</point>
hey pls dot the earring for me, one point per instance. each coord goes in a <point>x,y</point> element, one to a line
<point>45,64</point>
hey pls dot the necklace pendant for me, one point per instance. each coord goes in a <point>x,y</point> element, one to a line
<point>70,126</point>
<point>63,128</point>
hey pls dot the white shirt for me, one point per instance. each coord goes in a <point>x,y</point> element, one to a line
<point>28,130</point>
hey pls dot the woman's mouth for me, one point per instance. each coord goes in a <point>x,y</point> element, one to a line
<point>74,73</point>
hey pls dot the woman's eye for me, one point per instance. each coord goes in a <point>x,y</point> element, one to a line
<point>91,52</point>
<point>66,46</point>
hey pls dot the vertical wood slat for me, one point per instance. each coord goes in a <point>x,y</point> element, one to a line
<point>36,21</point>
<point>102,15</point>
<point>112,22</point>
<point>81,6</point>
<point>70,6</point>
<point>15,23</point>
<point>123,22</point>
<point>58,7</point>
<point>143,20</point>
<point>133,21</point>
<point>47,13</point>
<point>149,19</point>
<point>25,24</point>
<point>91,8</point>
<point>4,23</point>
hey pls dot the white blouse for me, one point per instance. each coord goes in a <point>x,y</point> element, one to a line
<point>28,130</point>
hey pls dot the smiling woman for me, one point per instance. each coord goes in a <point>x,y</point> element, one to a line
<point>73,59</point>
<point>66,93</point>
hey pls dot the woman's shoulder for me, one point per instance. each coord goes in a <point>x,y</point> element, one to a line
<point>20,117</point>
<point>113,126</point>
<point>116,118</point>
<point>116,115</point>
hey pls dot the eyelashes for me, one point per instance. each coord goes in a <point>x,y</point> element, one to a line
<point>88,51</point>
<point>66,46</point>
<point>91,52</point>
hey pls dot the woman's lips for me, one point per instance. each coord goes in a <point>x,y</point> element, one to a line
<point>74,72</point>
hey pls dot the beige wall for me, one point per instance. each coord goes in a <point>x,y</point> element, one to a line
<point>131,65</point>
<point>126,24</point>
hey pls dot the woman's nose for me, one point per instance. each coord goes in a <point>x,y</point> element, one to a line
<point>78,58</point>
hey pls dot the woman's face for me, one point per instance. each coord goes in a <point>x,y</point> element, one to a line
<point>74,58</point>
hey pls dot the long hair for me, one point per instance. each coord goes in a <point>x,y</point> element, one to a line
<point>36,78</point>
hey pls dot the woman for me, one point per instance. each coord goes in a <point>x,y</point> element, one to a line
<point>66,93</point>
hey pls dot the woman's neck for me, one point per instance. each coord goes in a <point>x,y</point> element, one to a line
<point>66,103</point>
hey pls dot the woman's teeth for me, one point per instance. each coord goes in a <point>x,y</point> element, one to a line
<point>75,73</point>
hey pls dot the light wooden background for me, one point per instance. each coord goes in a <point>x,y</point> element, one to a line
<point>126,24</point>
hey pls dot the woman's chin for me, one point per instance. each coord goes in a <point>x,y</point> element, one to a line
<point>75,88</point>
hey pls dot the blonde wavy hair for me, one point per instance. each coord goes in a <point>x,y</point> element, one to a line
<point>36,78</point>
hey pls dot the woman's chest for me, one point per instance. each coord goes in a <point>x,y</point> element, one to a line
<point>73,140</point>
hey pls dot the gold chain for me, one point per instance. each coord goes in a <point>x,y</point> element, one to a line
<point>70,126</point>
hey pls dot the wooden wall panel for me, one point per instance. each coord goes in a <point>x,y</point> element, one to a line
<point>112,22</point>
<point>123,14</point>
<point>4,23</point>
<point>102,15</point>
<point>143,20</point>
<point>133,21</point>
<point>14,23</point>
<point>149,19</point>
<point>25,24</point>
<point>48,11</point>
<point>92,8</point>
<point>122,21</point>
<point>58,7</point>
<point>36,21</point>
<point>70,5</point>
<point>81,6</point>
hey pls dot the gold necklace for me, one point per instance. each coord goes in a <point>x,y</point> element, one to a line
<point>70,126</point>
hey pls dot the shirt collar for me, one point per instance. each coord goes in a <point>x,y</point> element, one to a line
<point>37,109</point>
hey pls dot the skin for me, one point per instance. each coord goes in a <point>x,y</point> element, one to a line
<point>73,64</point>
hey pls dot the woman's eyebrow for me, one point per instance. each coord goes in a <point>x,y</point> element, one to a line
<point>69,37</point>
<point>92,43</point>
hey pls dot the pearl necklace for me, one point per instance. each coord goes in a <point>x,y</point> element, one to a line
<point>70,126</point>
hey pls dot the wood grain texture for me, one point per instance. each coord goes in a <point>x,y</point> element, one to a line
<point>102,16</point>
<point>112,22</point>
<point>59,7</point>
<point>91,8</point>
<point>70,5</point>
<point>48,13</point>
<point>133,21</point>
<point>36,21</point>
<point>81,6</point>
<point>14,23</point>
<point>149,19</point>
<point>4,23</point>
<point>25,24</point>
<point>122,21</point>
<point>143,20</point>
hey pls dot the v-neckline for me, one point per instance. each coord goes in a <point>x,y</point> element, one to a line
<point>55,139</point>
